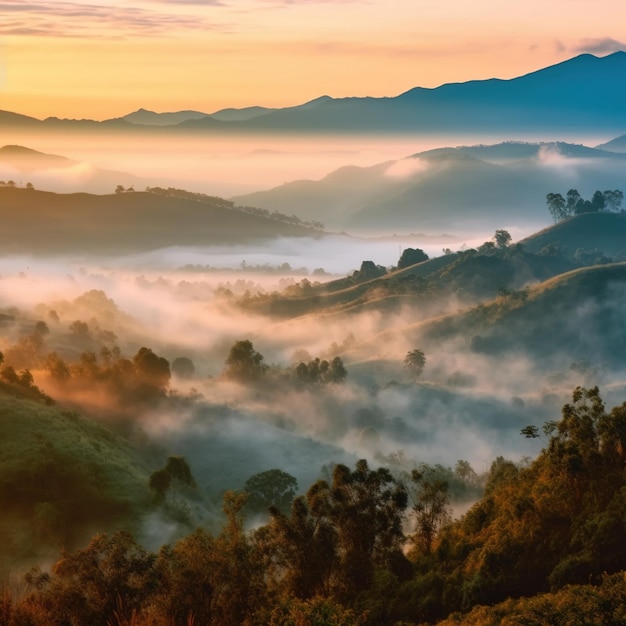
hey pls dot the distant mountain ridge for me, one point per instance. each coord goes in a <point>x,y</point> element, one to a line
<point>571,95</point>
<point>484,186</point>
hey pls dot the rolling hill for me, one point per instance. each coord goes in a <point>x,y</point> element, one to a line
<point>40,222</point>
<point>469,188</point>
<point>58,173</point>
<point>590,231</point>
<point>61,475</point>
<point>579,315</point>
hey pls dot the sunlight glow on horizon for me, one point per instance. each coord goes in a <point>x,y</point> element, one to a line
<point>102,60</point>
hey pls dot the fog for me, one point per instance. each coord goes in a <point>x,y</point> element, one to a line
<point>194,302</point>
<point>223,165</point>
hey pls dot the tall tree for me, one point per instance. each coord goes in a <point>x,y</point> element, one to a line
<point>556,206</point>
<point>244,364</point>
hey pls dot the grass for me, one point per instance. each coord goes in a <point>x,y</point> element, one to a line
<point>61,478</point>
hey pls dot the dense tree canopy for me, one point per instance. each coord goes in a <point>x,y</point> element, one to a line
<point>575,204</point>
<point>342,554</point>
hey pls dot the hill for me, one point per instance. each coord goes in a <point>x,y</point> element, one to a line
<point>605,232</point>
<point>615,145</point>
<point>471,187</point>
<point>577,316</point>
<point>40,222</point>
<point>58,173</point>
<point>60,476</point>
<point>144,117</point>
<point>469,276</point>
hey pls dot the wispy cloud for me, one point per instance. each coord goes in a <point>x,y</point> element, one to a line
<point>79,19</point>
<point>601,45</point>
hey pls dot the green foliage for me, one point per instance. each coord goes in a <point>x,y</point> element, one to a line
<point>338,557</point>
<point>411,256</point>
<point>560,208</point>
<point>414,362</point>
<point>176,474</point>
<point>270,489</point>
<point>244,364</point>
<point>321,371</point>
<point>318,611</point>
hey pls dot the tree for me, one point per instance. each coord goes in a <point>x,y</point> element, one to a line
<point>431,509</point>
<point>183,368</point>
<point>119,189</point>
<point>105,583</point>
<point>175,474</point>
<point>150,369</point>
<point>573,198</point>
<point>598,201</point>
<point>411,256</point>
<point>613,199</point>
<point>273,488</point>
<point>414,362</point>
<point>336,372</point>
<point>30,186</point>
<point>244,364</point>
<point>365,508</point>
<point>369,270</point>
<point>502,238</point>
<point>556,206</point>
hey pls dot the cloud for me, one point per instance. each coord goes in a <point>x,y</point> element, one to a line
<point>79,19</point>
<point>600,45</point>
<point>404,168</point>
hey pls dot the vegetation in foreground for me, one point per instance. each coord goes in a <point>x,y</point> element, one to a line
<point>376,546</point>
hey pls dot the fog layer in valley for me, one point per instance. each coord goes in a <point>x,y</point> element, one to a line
<point>93,313</point>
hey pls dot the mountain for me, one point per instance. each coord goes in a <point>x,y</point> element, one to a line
<point>58,173</point>
<point>569,96</point>
<point>468,188</point>
<point>40,222</point>
<point>150,118</point>
<point>29,160</point>
<point>615,145</point>
<point>143,117</point>
<point>239,115</point>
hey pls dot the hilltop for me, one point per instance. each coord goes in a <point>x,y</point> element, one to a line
<point>41,222</point>
<point>471,187</point>
<point>605,232</point>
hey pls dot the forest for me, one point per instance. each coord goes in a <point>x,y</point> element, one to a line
<point>192,436</point>
<point>375,545</point>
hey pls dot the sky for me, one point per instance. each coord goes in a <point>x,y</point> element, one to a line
<point>104,58</point>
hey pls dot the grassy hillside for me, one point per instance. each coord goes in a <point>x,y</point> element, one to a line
<point>589,231</point>
<point>61,477</point>
<point>581,314</point>
<point>468,275</point>
<point>41,222</point>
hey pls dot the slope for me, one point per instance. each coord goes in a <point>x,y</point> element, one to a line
<point>601,231</point>
<point>579,315</point>
<point>61,476</point>
<point>473,187</point>
<point>38,222</point>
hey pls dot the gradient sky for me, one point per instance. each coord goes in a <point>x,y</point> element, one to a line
<point>105,58</point>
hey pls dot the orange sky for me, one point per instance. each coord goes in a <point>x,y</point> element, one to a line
<point>104,58</point>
